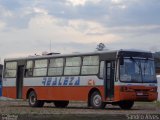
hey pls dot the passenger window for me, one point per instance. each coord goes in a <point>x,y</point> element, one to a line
<point>40,68</point>
<point>101,74</point>
<point>72,66</point>
<point>90,65</point>
<point>55,67</point>
<point>11,69</point>
<point>29,69</point>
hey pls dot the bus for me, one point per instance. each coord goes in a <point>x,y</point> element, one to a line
<point>118,77</point>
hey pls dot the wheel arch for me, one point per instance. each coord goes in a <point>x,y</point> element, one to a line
<point>28,92</point>
<point>90,93</point>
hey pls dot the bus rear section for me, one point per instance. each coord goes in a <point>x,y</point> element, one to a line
<point>100,78</point>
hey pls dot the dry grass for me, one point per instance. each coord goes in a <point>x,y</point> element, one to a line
<point>22,107</point>
<point>76,111</point>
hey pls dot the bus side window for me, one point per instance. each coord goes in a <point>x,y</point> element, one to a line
<point>55,67</point>
<point>40,68</point>
<point>72,66</point>
<point>10,70</point>
<point>29,69</point>
<point>101,70</point>
<point>90,65</point>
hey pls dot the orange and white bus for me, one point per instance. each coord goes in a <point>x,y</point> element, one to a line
<point>99,78</point>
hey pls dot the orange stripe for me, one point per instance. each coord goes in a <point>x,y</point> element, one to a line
<point>62,93</point>
<point>79,93</point>
<point>9,92</point>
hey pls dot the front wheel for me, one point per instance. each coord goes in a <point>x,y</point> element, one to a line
<point>61,104</point>
<point>33,102</point>
<point>126,105</point>
<point>96,100</point>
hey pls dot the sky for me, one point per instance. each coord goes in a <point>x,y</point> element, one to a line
<point>29,27</point>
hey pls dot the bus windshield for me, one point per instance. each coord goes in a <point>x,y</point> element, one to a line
<point>138,70</point>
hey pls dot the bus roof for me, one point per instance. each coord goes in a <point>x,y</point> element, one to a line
<point>110,52</point>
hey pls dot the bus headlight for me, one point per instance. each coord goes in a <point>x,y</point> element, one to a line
<point>126,89</point>
<point>153,89</point>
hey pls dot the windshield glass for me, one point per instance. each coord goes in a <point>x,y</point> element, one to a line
<point>137,70</point>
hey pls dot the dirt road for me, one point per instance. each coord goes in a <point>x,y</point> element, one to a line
<point>21,108</point>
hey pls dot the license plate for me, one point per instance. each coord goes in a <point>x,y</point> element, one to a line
<point>140,93</point>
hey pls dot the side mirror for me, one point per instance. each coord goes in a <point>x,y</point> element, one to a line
<point>121,60</point>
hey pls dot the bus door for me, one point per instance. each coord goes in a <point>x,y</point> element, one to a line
<point>19,81</point>
<point>109,79</point>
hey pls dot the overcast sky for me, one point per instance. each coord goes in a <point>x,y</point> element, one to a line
<point>28,26</point>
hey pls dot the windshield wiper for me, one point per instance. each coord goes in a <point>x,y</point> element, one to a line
<point>145,65</point>
<point>138,64</point>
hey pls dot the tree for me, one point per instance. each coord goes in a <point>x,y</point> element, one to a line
<point>100,46</point>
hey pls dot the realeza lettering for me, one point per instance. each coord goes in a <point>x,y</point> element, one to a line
<point>61,81</point>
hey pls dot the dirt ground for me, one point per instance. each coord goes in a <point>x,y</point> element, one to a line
<point>75,110</point>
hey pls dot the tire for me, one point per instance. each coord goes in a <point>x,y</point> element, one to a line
<point>96,101</point>
<point>61,104</point>
<point>33,102</point>
<point>126,105</point>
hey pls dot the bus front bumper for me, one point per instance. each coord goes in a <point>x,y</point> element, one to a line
<point>138,94</point>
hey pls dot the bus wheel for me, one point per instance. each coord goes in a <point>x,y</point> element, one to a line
<point>126,105</point>
<point>61,104</point>
<point>33,102</point>
<point>96,100</point>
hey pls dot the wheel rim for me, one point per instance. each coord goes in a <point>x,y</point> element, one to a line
<point>97,100</point>
<point>32,99</point>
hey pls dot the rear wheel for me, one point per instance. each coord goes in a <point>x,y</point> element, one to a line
<point>33,102</point>
<point>126,105</point>
<point>61,104</point>
<point>96,100</point>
